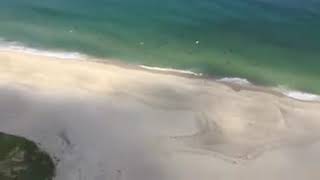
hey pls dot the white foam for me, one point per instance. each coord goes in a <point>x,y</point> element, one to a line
<point>235,80</point>
<point>170,70</point>
<point>18,47</point>
<point>302,96</point>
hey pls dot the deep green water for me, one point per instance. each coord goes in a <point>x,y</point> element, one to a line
<point>272,42</point>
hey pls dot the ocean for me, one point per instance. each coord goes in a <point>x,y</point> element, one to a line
<point>268,42</point>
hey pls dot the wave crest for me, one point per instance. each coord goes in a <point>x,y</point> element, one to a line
<point>18,47</point>
<point>235,80</point>
<point>170,70</point>
<point>302,96</point>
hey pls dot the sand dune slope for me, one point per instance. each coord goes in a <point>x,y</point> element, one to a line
<point>105,121</point>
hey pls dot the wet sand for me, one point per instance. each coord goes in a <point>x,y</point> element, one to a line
<point>105,121</point>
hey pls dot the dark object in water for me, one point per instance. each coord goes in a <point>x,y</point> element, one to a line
<point>21,159</point>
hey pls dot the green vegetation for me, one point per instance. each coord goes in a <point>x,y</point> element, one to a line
<point>21,159</point>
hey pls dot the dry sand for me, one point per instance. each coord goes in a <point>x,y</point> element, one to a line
<point>109,122</point>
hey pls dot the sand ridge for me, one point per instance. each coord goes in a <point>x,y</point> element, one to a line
<point>192,120</point>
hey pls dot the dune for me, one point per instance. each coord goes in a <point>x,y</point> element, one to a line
<point>111,121</point>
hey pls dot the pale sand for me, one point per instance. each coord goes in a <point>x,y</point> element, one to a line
<point>106,121</point>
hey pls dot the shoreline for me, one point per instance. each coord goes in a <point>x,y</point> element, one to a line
<point>235,83</point>
<point>166,122</point>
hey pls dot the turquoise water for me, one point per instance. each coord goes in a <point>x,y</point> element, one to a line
<point>271,42</point>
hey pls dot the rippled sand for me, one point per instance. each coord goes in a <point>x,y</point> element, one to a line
<point>107,121</point>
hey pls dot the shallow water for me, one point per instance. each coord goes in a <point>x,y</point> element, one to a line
<point>266,41</point>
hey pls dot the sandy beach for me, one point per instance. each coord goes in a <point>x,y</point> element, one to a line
<point>108,121</point>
